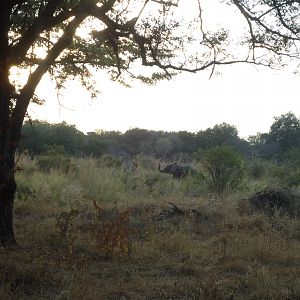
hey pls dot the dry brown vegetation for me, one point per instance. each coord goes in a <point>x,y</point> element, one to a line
<point>99,232</point>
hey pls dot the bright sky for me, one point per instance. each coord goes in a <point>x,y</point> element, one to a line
<point>242,95</point>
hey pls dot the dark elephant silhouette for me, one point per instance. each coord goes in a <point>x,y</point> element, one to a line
<point>176,170</point>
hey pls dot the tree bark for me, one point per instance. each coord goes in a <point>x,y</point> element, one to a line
<point>7,151</point>
<point>7,192</point>
<point>12,112</point>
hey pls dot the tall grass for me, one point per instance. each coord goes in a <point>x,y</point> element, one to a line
<point>97,231</point>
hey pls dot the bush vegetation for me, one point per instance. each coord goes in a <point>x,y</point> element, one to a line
<point>91,226</point>
<point>223,169</point>
<point>99,231</point>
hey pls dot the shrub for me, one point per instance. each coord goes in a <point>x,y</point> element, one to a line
<point>271,200</point>
<point>112,236</point>
<point>291,167</point>
<point>55,158</point>
<point>223,169</point>
<point>25,191</point>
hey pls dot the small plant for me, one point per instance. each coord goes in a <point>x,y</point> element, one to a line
<point>25,192</point>
<point>64,223</point>
<point>25,164</point>
<point>112,236</point>
<point>223,169</point>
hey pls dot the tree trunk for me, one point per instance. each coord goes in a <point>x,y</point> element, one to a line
<point>7,192</point>
<point>7,150</point>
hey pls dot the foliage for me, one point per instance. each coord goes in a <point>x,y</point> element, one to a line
<point>222,134</point>
<point>273,28</point>
<point>291,157</point>
<point>262,147</point>
<point>64,224</point>
<point>283,135</point>
<point>256,168</point>
<point>40,136</point>
<point>218,135</point>
<point>46,37</point>
<point>110,161</point>
<point>71,40</point>
<point>178,146</point>
<point>54,158</point>
<point>288,169</point>
<point>223,169</point>
<point>25,191</point>
<point>285,131</point>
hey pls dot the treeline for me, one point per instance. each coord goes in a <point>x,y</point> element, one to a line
<point>39,137</point>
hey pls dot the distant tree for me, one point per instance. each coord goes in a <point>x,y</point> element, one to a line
<point>285,132</point>
<point>35,137</point>
<point>257,139</point>
<point>218,135</point>
<point>38,137</point>
<point>94,145</point>
<point>134,138</point>
<point>261,146</point>
<point>163,146</point>
<point>68,136</point>
<point>222,134</point>
<point>188,142</point>
<point>111,140</point>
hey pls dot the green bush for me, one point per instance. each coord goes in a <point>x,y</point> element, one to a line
<point>223,169</point>
<point>25,191</point>
<point>291,158</point>
<point>286,176</point>
<point>55,158</point>
<point>290,164</point>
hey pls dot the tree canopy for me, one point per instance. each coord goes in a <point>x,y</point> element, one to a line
<point>283,138</point>
<point>273,29</point>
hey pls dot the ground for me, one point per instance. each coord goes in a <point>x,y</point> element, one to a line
<point>75,245</point>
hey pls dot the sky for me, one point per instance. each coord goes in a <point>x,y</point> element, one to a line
<point>242,96</point>
<point>245,96</point>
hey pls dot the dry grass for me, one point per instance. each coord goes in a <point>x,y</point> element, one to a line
<point>102,233</point>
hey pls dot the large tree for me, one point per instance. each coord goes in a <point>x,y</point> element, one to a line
<point>72,38</point>
<point>285,132</point>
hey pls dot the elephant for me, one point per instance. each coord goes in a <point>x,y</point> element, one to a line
<point>176,170</point>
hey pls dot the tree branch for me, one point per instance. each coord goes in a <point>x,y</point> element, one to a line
<point>46,21</point>
<point>27,91</point>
